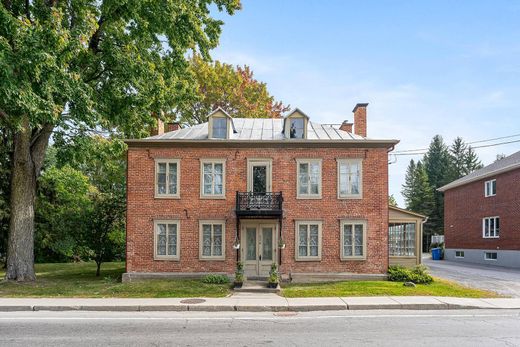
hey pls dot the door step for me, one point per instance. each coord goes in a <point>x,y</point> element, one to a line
<point>256,287</point>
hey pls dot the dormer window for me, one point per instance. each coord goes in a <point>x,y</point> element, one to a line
<point>297,130</point>
<point>220,128</point>
<point>295,125</point>
<point>220,125</point>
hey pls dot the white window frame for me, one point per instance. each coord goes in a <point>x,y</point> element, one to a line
<point>177,195</point>
<point>353,222</point>
<point>488,188</point>
<point>350,161</point>
<point>155,232</point>
<point>212,222</point>
<point>213,162</point>
<point>496,232</point>
<point>308,195</point>
<point>297,255</point>
<point>459,254</point>
<point>490,259</point>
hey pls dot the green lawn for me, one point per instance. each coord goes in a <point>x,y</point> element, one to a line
<point>79,280</point>
<point>382,288</point>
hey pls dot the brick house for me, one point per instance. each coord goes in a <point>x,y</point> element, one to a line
<point>312,198</point>
<point>482,215</point>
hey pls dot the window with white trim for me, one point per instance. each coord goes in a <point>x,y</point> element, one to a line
<point>309,178</point>
<point>459,254</point>
<point>308,240</point>
<point>166,239</point>
<point>213,178</point>
<point>349,178</point>
<point>167,178</point>
<point>490,255</point>
<point>353,239</point>
<point>490,188</point>
<point>212,239</point>
<point>490,227</point>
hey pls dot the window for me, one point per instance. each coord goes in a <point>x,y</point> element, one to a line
<point>349,178</point>
<point>490,255</point>
<point>297,128</point>
<point>166,240</point>
<point>490,188</point>
<point>401,239</point>
<point>308,240</point>
<point>167,178</point>
<point>353,239</point>
<point>219,128</point>
<point>309,179</point>
<point>459,254</point>
<point>490,227</point>
<point>213,178</point>
<point>212,239</point>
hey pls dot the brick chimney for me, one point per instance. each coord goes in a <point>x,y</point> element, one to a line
<point>172,126</point>
<point>346,126</point>
<point>360,119</point>
<point>159,129</point>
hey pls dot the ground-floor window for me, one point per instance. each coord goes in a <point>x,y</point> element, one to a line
<point>308,240</point>
<point>353,239</point>
<point>490,255</point>
<point>166,239</point>
<point>401,239</point>
<point>459,254</point>
<point>212,239</point>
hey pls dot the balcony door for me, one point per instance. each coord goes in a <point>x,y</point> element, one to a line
<point>258,249</point>
<point>259,175</point>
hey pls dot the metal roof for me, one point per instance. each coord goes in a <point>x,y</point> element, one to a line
<point>503,165</point>
<point>259,129</point>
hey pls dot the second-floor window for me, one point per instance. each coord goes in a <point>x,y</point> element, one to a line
<point>491,227</point>
<point>167,178</point>
<point>309,178</point>
<point>349,178</point>
<point>490,188</point>
<point>213,178</point>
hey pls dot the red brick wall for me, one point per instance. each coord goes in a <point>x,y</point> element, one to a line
<point>143,207</point>
<point>465,206</point>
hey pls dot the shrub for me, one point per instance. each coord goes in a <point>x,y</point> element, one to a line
<point>417,275</point>
<point>215,279</point>
<point>273,274</point>
<point>239,272</point>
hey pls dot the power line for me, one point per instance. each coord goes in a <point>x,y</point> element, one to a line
<point>474,147</point>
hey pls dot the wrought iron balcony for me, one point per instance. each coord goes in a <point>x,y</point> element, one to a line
<point>259,204</point>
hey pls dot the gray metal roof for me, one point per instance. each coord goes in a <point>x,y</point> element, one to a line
<point>259,129</point>
<point>503,165</point>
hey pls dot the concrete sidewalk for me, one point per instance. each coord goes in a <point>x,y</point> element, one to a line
<point>256,303</point>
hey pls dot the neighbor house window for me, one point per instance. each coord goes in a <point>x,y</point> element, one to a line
<point>401,239</point>
<point>297,128</point>
<point>491,227</point>
<point>166,239</point>
<point>213,178</point>
<point>490,255</point>
<point>490,188</point>
<point>459,254</point>
<point>167,177</point>
<point>349,178</point>
<point>353,239</point>
<point>309,178</point>
<point>219,128</point>
<point>308,240</point>
<point>212,239</point>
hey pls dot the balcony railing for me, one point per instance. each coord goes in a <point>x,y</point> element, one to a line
<point>259,204</point>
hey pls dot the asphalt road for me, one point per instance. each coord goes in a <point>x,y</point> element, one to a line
<point>501,280</point>
<point>380,328</point>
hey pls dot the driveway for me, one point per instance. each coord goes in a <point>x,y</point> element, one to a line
<point>501,280</point>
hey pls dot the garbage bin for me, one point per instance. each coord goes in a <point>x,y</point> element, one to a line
<point>436,253</point>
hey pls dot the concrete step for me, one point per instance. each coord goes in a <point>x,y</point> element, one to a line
<point>256,287</point>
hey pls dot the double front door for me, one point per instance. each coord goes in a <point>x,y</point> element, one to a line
<point>258,248</point>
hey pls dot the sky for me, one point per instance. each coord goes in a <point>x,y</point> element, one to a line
<point>425,67</point>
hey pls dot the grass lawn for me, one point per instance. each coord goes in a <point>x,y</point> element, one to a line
<point>79,280</point>
<point>383,288</point>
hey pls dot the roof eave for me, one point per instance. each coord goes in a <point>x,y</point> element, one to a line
<point>456,184</point>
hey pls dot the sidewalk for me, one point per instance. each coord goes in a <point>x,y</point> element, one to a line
<point>256,303</point>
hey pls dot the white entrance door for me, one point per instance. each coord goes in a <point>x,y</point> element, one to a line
<point>258,251</point>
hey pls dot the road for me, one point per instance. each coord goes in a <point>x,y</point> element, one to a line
<point>501,280</point>
<point>354,328</point>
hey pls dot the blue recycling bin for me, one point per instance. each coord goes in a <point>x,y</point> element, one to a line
<point>436,253</point>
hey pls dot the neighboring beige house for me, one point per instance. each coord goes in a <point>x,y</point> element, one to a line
<point>405,230</point>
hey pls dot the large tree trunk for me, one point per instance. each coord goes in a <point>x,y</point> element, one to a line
<point>29,152</point>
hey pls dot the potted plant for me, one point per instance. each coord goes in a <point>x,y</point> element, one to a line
<point>273,276</point>
<point>239,275</point>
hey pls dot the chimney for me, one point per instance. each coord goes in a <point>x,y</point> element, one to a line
<point>360,119</point>
<point>159,129</point>
<point>172,126</point>
<point>346,126</point>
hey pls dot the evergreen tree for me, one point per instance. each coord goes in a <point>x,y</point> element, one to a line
<point>472,161</point>
<point>464,159</point>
